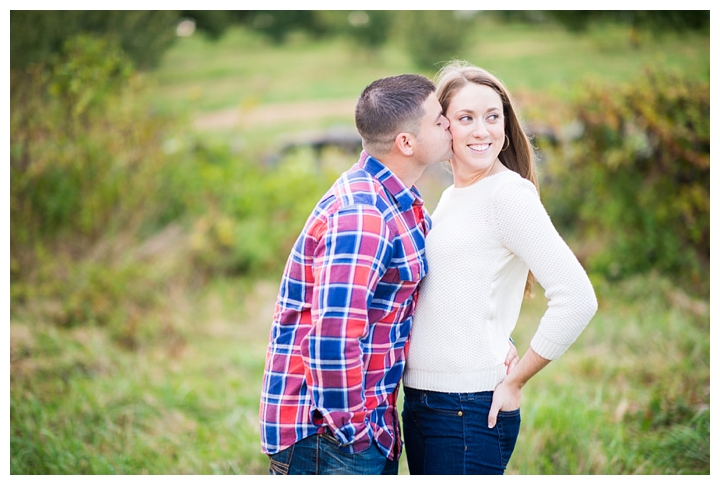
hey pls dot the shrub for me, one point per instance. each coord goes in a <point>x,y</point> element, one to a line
<point>86,175</point>
<point>35,35</point>
<point>113,205</point>
<point>638,177</point>
<point>247,217</point>
<point>432,37</point>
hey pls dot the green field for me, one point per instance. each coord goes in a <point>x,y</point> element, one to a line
<point>631,396</point>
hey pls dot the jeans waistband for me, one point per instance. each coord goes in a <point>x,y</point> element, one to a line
<point>462,396</point>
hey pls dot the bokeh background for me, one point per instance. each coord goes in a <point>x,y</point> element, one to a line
<point>163,162</point>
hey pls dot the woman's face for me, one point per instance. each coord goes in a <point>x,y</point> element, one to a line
<point>477,126</point>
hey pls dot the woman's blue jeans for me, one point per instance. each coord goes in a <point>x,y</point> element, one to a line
<point>320,454</point>
<point>447,433</point>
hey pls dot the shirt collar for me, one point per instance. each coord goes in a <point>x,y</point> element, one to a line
<point>404,196</point>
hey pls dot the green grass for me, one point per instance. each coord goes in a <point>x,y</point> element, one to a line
<point>545,58</point>
<point>243,69</point>
<point>631,396</point>
<point>185,405</point>
<point>542,65</point>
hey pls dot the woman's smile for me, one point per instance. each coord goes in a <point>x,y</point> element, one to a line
<point>479,148</point>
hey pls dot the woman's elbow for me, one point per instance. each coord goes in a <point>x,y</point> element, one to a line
<point>590,303</point>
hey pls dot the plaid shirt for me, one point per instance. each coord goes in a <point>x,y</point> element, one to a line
<point>339,336</point>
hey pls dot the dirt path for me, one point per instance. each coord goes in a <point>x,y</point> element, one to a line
<point>298,112</point>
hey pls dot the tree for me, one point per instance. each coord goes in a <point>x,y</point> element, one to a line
<point>35,35</point>
<point>432,36</point>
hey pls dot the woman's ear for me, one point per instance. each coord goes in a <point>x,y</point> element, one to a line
<point>405,142</point>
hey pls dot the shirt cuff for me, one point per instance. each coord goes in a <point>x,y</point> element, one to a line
<point>547,349</point>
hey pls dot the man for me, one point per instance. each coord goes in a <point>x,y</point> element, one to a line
<point>339,335</point>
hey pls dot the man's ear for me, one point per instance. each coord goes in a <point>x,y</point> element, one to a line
<point>405,142</point>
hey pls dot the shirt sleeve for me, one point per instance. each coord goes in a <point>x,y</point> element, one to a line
<point>525,228</point>
<point>350,259</point>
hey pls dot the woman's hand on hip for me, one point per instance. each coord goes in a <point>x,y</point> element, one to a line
<point>505,398</point>
<point>507,394</point>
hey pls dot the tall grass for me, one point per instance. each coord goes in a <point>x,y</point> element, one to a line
<point>631,396</point>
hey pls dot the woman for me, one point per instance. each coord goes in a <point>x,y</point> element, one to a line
<point>491,237</point>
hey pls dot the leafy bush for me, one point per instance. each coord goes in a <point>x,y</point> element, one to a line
<point>656,21</point>
<point>367,29</point>
<point>35,35</point>
<point>638,177</point>
<point>432,37</point>
<point>87,171</point>
<point>277,24</point>
<point>247,217</point>
<point>113,205</point>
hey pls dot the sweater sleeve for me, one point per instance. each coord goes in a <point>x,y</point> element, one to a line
<point>524,227</point>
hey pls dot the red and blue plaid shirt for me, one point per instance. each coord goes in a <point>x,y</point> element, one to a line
<point>339,336</point>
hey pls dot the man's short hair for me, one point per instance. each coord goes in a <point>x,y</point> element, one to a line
<point>389,106</point>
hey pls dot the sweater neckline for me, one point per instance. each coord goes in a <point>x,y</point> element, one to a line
<point>475,184</point>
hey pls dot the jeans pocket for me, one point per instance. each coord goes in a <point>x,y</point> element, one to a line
<point>280,462</point>
<point>442,403</point>
<point>508,425</point>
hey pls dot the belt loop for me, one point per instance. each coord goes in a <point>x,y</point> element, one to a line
<point>471,396</point>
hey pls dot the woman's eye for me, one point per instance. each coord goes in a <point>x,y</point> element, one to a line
<point>465,118</point>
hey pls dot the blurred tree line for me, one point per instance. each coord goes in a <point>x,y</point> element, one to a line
<point>113,205</point>
<point>145,35</point>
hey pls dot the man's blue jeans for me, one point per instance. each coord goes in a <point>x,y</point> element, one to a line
<point>320,454</point>
<point>447,434</point>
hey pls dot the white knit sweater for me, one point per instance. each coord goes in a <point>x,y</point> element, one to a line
<point>483,240</point>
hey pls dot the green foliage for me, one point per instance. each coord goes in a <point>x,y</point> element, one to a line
<point>87,171</point>
<point>79,405</point>
<point>277,24</point>
<point>35,35</point>
<point>251,215</point>
<point>368,29</point>
<point>630,396</point>
<point>79,137</point>
<point>102,189</point>
<point>655,21</point>
<point>214,23</point>
<point>432,37</point>
<point>644,157</point>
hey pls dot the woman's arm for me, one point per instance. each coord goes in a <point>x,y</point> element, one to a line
<point>525,228</point>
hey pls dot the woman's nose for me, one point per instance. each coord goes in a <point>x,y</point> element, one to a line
<point>480,131</point>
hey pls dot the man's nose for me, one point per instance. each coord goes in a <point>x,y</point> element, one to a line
<point>446,123</point>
